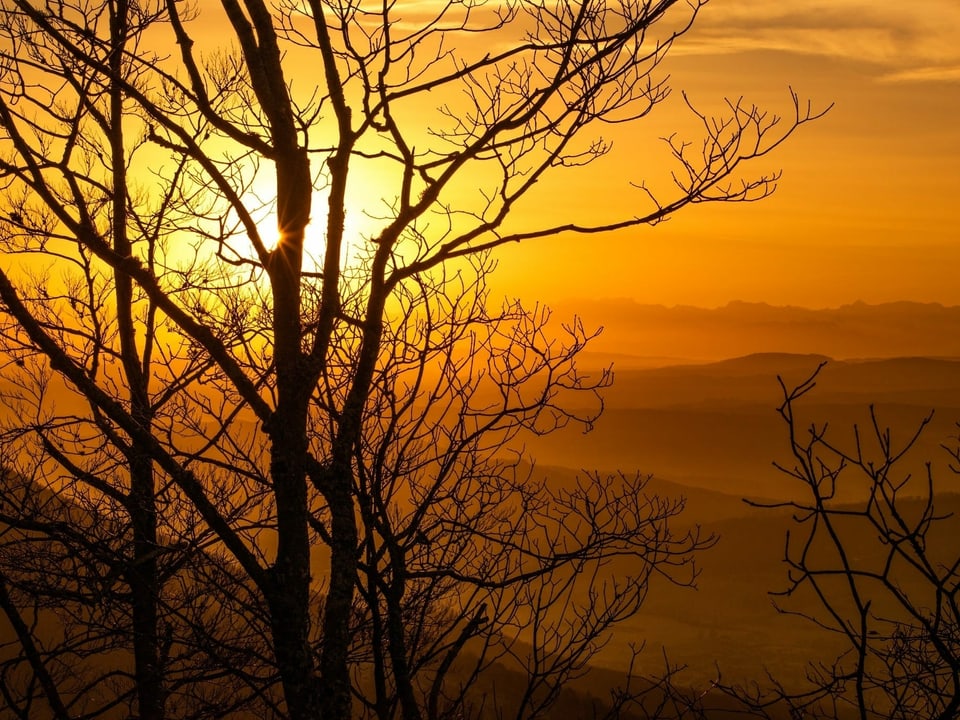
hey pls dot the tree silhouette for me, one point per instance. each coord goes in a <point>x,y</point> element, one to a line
<point>317,422</point>
<point>882,574</point>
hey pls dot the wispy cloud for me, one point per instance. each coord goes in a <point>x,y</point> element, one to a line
<point>907,41</point>
<point>926,74</point>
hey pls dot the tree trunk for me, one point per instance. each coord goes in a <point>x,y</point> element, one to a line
<point>142,573</point>
<point>335,668</point>
<point>288,594</point>
<point>145,590</point>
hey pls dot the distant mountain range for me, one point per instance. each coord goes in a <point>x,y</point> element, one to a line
<point>655,335</point>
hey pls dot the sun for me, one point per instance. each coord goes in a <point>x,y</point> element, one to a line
<point>367,213</point>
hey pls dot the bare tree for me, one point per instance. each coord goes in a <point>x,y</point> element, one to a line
<point>882,574</point>
<point>469,558</point>
<point>66,592</point>
<point>241,385</point>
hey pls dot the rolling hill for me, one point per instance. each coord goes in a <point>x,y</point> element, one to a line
<point>716,425</point>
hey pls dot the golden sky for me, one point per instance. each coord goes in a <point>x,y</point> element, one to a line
<point>866,206</point>
<point>866,209</point>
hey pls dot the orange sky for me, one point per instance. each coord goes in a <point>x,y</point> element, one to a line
<point>866,208</point>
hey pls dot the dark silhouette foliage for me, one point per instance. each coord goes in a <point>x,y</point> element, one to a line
<point>260,458</point>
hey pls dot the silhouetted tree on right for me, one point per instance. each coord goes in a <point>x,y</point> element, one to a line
<point>884,572</point>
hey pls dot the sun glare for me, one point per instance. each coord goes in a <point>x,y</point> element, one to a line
<point>365,217</point>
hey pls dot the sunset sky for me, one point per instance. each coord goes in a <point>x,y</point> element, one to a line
<point>866,207</point>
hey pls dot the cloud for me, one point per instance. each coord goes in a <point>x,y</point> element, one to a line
<point>926,74</point>
<point>919,40</point>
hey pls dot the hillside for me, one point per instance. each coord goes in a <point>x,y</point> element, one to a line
<point>716,425</point>
<point>710,432</point>
<point>730,622</point>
